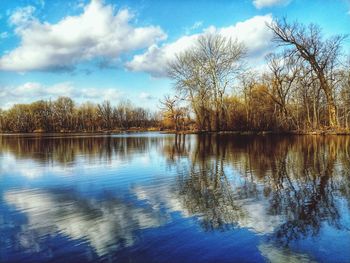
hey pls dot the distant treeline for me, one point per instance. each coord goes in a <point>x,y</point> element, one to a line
<point>63,115</point>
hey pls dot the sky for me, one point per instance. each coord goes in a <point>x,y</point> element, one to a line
<point>117,50</point>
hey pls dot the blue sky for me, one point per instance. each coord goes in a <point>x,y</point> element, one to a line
<point>117,49</point>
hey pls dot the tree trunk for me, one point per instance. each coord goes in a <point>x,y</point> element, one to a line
<point>332,109</point>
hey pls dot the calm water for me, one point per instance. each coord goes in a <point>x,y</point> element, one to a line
<point>155,198</point>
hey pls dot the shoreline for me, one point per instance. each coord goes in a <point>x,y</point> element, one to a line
<point>107,133</point>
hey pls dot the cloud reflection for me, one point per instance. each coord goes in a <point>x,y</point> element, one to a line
<point>105,225</point>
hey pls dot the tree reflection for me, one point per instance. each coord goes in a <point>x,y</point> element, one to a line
<point>66,150</point>
<point>299,180</point>
<point>286,187</point>
<point>207,192</point>
<point>305,202</point>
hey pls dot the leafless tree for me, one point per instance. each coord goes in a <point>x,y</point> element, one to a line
<point>322,55</point>
<point>203,74</point>
<point>284,71</point>
<point>173,111</point>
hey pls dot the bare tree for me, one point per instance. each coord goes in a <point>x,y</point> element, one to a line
<point>345,93</point>
<point>284,71</point>
<point>204,73</point>
<point>105,112</point>
<point>63,113</point>
<point>173,111</point>
<point>322,55</point>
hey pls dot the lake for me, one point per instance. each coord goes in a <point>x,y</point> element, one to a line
<point>152,197</point>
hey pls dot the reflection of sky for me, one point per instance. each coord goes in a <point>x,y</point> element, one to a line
<point>277,255</point>
<point>102,224</point>
<point>115,171</point>
<point>120,204</point>
<point>256,216</point>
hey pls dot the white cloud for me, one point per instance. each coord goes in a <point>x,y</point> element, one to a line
<point>32,91</point>
<point>252,32</point>
<point>195,26</point>
<point>99,32</point>
<point>22,17</point>
<point>155,59</point>
<point>269,3</point>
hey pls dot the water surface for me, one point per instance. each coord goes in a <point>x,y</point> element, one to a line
<point>161,198</point>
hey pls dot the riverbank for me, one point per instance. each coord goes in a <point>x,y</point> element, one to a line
<point>103,133</point>
<point>318,132</point>
<point>74,133</point>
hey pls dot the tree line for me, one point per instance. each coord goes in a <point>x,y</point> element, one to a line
<point>306,85</point>
<point>63,115</point>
